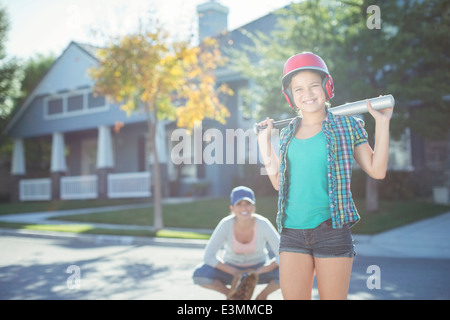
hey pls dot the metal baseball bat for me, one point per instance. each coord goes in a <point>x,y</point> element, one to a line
<point>347,109</point>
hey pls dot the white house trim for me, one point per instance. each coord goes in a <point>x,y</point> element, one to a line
<point>65,112</point>
<point>58,163</point>
<point>18,158</point>
<point>105,158</point>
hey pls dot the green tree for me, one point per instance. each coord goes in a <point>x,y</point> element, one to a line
<point>167,80</point>
<point>408,57</point>
<point>34,69</point>
<point>38,150</point>
<point>10,74</point>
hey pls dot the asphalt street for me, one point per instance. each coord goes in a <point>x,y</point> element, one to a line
<point>72,268</point>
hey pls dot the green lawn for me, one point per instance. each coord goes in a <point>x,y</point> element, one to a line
<point>203,214</point>
<point>206,213</point>
<point>42,206</point>
<point>394,214</point>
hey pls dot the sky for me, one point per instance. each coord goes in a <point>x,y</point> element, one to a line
<point>48,26</point>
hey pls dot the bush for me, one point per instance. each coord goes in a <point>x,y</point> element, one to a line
<point>398,185</point>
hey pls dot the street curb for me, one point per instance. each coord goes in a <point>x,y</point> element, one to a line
<point>103,239</point>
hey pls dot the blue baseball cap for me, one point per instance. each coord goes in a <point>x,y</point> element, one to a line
<point>242,193</point>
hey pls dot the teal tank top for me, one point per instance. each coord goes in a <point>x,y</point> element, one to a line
<point>307,204</point>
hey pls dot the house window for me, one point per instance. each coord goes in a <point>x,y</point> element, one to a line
<point>96,101</point>
<point>73,103</point>
<point>55,106</point>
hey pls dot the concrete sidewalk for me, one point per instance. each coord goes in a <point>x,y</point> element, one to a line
<point>429,238</point>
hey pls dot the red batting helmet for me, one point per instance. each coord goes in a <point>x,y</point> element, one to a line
<point>306,61</point>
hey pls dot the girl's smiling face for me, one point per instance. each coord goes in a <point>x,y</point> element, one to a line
<point>243,208</point>
<point>307,92</point>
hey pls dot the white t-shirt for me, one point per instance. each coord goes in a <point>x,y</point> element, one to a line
<point>222,238</point>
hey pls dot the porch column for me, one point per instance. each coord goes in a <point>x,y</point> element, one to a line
<point>58,166</point>
<point>105,160</point>
<point>18,170</point>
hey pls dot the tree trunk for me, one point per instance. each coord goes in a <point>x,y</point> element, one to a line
<point>157,198</point>
<point>372,203</point>
<point>155,176</point>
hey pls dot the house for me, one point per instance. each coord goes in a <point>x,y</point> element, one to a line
<point>90,157</point>
<point>97,151</point>
<point>63,109</point>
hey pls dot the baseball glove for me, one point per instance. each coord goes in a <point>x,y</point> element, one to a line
<point>243,285</point>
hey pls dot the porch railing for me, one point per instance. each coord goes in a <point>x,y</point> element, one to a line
<point>129,185</point>
<point>120,185</point>
<point>35,189</point>
<point>79,187</point>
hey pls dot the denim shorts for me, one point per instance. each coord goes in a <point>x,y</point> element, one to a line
<point>320,242</point>
<point>205,274</point>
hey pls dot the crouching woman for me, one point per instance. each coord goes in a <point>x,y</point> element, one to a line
<point>244,237</point>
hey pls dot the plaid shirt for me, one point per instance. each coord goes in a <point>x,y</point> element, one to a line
<point>342,134</point>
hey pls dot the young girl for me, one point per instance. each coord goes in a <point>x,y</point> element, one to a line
<point>313,174</point>
<point>244,236</point>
